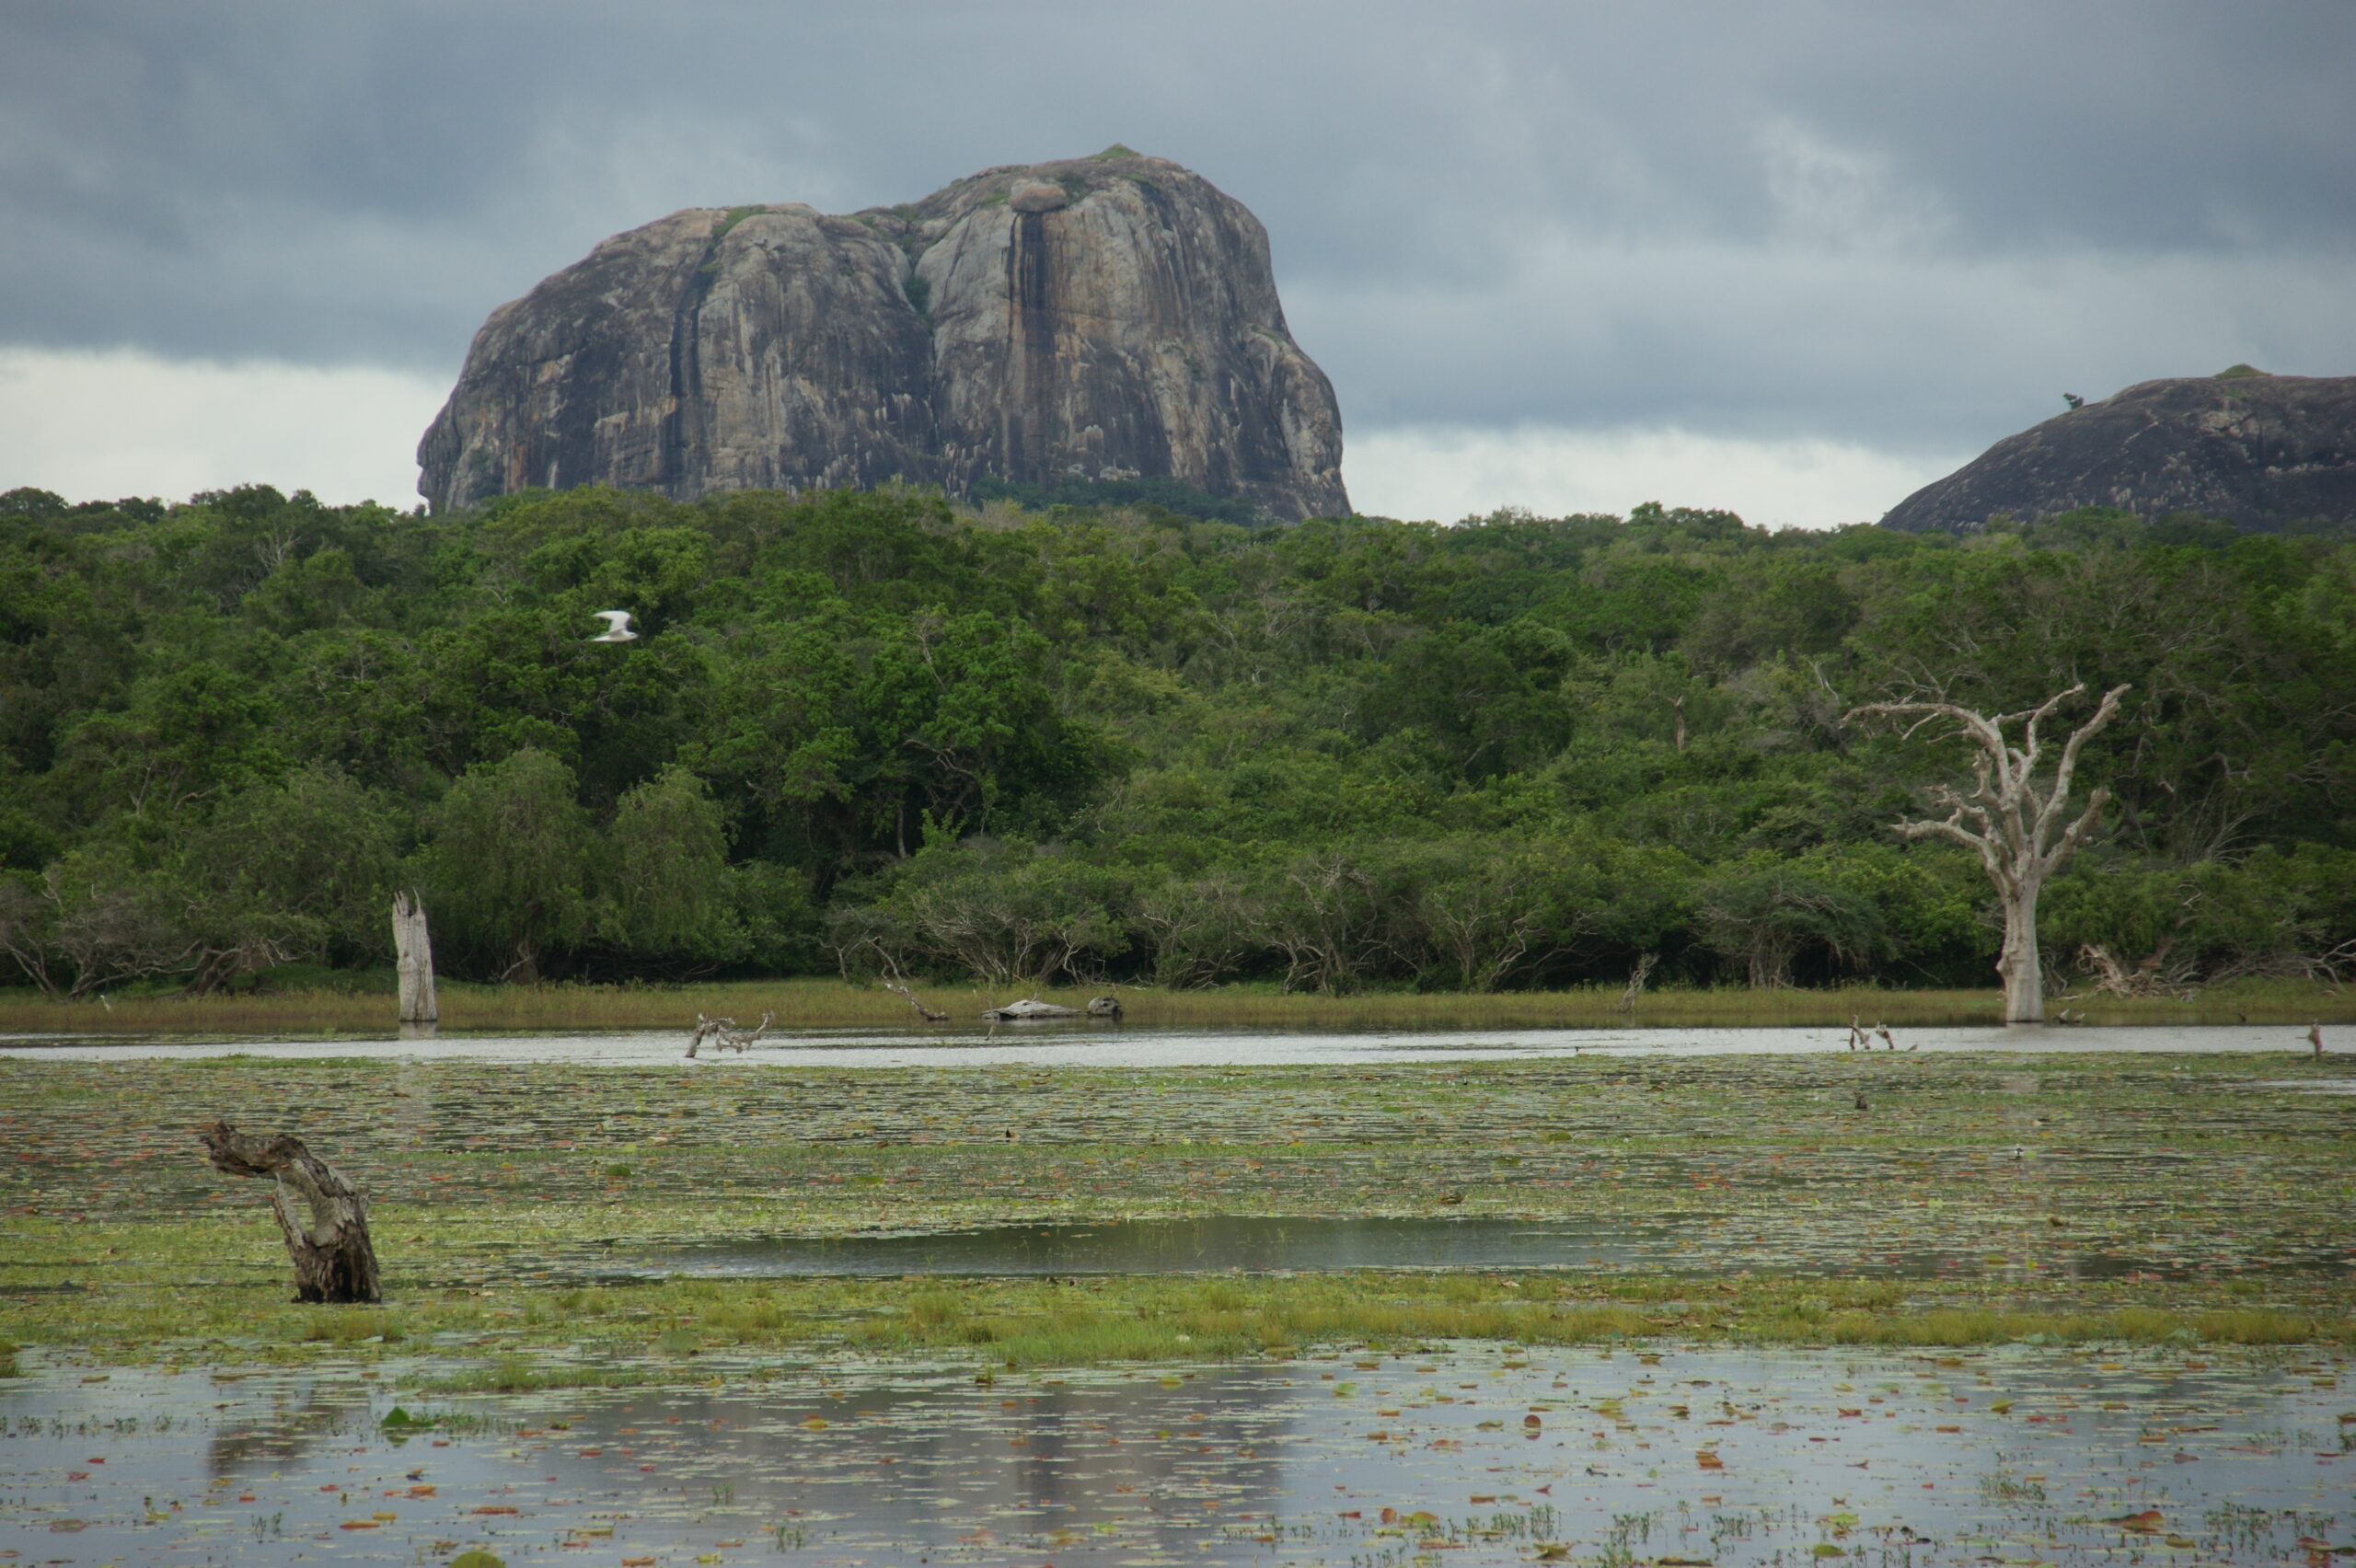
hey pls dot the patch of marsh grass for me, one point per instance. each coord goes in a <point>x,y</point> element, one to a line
<point>350,1325</point>
<point>558,1337</point>
<point>1984,1325</point>
<point>516,1374</point>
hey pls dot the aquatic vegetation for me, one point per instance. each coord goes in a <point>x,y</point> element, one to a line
<point>2157,1200</point>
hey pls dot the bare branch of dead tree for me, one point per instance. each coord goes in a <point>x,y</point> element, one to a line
<point>2006,817</point>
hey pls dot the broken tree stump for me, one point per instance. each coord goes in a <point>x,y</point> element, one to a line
<point>323,1216</point>
<point>413,957</point>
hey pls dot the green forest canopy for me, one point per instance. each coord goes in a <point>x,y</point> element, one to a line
<point>865,730</point>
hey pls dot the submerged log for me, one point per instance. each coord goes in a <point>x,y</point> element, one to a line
<point>323,1216</point>
<point>413,955</point>
<point>1029,1010</point>
<point>1104,1006</point>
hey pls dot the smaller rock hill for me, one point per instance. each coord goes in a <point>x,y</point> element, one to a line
<point>2265,452</point>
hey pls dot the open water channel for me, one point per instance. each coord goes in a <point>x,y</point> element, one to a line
<point>1113,1045</point>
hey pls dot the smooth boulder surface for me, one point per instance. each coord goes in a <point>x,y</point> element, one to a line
<point>1105,317</point>
<point>2265,452</point>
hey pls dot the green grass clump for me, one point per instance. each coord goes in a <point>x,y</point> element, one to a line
<point>2130,1325</point>
<point>523,1375</point>
<point>348,1326</point>
<point>9,1367</point>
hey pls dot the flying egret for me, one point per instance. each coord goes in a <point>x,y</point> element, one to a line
<point>616,627</point>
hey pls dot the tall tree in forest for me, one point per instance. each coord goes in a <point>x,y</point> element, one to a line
<point>2008,820</point>
<point>512,862</point>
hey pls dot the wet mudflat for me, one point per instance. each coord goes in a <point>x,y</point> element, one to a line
<point>1446,1454</point>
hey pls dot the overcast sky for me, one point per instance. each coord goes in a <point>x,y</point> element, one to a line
<point>1794,259</point>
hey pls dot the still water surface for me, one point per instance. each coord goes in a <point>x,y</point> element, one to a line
<point>1089,1045</point>
<point>1485,1455</point>
<point>1247,1243</point>
<point>1257,1244</point>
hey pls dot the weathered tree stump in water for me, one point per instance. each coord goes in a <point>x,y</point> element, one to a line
<point>334,1260</point>
<point>413,958</point>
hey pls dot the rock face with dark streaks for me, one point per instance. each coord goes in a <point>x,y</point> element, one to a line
<point>1108,317</point>
<point>2264,451</point>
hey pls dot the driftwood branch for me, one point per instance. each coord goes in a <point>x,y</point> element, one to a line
<point>725,1035</point>
<point>323,1216</point>
<point>707,1029</point>
<point>910,997</point>
<point>733,1039</point>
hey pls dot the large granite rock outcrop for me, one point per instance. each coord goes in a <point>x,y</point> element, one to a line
<point>2263,451</point>
<point>1108,317</point>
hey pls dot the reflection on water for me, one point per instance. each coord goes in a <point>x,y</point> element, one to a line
<point>1090,1044</point>
<point>1497,1455</point>
<point>286,1421</point>
<point>1268,1244</point>
<point>1250,1243</point>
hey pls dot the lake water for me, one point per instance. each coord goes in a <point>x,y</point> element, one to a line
<point>1259,1244</point>
<point>1459,1456</point>
<point>1132,1047</point>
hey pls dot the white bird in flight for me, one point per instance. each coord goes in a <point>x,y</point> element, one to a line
<point>616,627</point>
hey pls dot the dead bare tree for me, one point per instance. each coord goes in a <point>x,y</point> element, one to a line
<point>334,1260</point>
<point>2008,820</point>
<point>1636,978</point>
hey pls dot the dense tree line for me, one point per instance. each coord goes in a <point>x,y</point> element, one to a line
<point>866,731</point>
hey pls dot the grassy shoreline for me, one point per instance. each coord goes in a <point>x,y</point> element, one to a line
<point>835,1004</point>
<point>516,1337</point>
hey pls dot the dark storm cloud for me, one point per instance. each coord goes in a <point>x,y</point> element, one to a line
<point>1907,226</point>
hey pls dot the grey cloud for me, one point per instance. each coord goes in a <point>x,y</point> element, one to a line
<point>1914,226</point>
